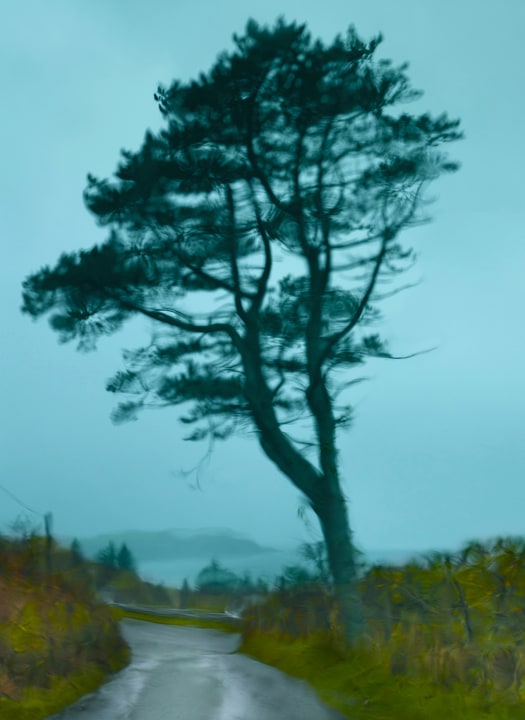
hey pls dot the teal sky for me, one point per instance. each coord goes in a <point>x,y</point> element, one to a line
<point>437,453</point>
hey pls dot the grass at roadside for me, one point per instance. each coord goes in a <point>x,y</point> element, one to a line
<point>232,627</point>
<point>37,703</point>
<point>53,650</point>
<point>57,640</point>
<point>443,636</point>
<point>361,686</point>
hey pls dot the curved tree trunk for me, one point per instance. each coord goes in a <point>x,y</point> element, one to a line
<point>322,490</point>
<point>333,517</point>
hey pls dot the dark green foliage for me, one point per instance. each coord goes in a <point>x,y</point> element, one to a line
<point>108,556</point>
<point>112,561</point>
<point>125,560</point>
<point>214,578</point>
<point>77,556</point>
<point>286,142</point>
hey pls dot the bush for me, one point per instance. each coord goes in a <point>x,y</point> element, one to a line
<point>52,632</point>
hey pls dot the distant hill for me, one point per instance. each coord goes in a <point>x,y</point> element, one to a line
<point>176,544</point>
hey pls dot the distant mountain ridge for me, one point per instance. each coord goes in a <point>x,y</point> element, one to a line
<point>174,544</point>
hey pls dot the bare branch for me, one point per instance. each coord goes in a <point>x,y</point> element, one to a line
<point>356,243</point>
<point>407,357</point>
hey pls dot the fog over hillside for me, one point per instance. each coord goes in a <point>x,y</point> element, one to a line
<point>173,555</point>
<point>177,544</point>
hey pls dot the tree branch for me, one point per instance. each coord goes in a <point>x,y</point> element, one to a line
<point>163,317</point>
<point>212,279</point>
<point>237,291</point>
<point>334,339</point>
<point>257,171</point>
<point>388,234</point>
<point>396,291</point>
<point>262,282</point>
<point>325,221</point>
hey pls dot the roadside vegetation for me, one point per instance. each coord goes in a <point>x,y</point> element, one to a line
<point>444,633</point>
<point>444,636</point>
<point>58,640</point>
<point>59,637</point>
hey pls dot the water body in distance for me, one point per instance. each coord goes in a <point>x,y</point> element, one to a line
<point>267,566</point>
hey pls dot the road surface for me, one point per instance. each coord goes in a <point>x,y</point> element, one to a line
<point>187,673</point>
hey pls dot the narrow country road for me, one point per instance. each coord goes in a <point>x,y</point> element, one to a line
<point>186,673</point>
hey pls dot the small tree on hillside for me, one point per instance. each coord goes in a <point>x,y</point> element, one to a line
<point>287,149</point>
<point>107,564</point>
<point>125,560</point>
<point>108,556</point>
<point>185,595</point>
<point>214,578</point>
<point>77,556</point>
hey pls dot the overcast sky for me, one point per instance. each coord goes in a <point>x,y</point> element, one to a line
<point>437,452</point>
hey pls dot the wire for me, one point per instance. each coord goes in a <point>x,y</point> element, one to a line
<point>22,504</point>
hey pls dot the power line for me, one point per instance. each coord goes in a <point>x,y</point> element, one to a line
<point>20,502</point>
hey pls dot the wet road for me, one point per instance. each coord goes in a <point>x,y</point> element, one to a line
<point>185,673</point>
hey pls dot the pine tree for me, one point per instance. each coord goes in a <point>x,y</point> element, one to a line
<point>125,560</point>
<point>287,148</point>
<point>108,556</point>
<point>77,556</point>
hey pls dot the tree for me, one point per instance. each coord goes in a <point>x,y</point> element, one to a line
<point>125,560</point>
<point>185,595</point>
<point>294,575</point>
<point>77,556</point>
<point>108,556</point>
<point>214,578</point>
<point>286,149</point>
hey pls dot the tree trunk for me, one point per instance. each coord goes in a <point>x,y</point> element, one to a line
<point>321,487</point>
<point>333,517</point>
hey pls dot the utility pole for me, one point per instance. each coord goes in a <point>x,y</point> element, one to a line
<point>48,521</point>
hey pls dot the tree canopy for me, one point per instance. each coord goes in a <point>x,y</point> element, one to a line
<point>108,555</point>
<point>285,147</point>
<point>215,578</point>
<point>125,560</point>
<point>258,230</point>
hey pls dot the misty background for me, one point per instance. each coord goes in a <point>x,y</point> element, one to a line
<point>437,452</point>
